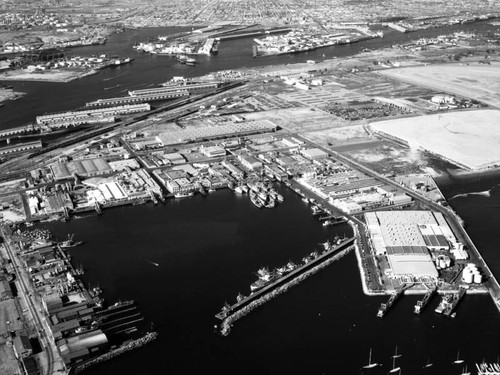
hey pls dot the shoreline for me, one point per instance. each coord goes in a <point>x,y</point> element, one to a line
<point>454,176</point>
<point>50,76</point>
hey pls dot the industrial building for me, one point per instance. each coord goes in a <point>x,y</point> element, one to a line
<point>91,115</point>
<point>20,147</point>
<point>233,169</point>
<point>250,162</point>
<point>176,181</point>
<point>314,153</point>
<point>169,89</point>
<point>214,132</point>
<point>213,151</point>
<point>77,348</point>
<point>81,168</point>
<point>127,100</point>
<point>407,237</point>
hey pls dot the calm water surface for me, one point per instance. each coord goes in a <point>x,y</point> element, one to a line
<point>208,249</point>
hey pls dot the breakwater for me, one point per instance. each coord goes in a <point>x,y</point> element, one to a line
<point>146,339</point>
<point>225,327</point>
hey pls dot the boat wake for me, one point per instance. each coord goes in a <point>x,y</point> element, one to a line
<point>112,87</point>
<point>486,193</point>
<point>154,264</point>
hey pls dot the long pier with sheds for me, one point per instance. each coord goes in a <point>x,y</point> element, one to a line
<point>228,314</point>
<point>420,305</point>
<point>384,307</point>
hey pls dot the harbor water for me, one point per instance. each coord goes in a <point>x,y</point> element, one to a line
<point>150,70</point>
<point>181,261</point>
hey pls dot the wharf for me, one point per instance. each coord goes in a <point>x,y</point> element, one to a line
<point>384,307</point>
<point>420,305</point>
<point>283,280</point>
<point>327,217</point>
<point>254,33</point>
<point>450,302</point>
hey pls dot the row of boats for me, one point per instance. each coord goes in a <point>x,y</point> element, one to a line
<point>261,194</point>
<point>397,369</point>
<point>266,276</point>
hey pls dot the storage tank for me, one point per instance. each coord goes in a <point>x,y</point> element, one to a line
<point>467,276</point>
<point>442,263</point>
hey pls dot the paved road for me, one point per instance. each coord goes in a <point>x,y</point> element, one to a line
<point>32,307</point>
<point>491,283</point>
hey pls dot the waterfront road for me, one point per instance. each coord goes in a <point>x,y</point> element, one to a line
<point>452,218</point>
<point>35,310</point>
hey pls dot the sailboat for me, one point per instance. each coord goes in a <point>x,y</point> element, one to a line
<point>458,360</point>
<point>370,364</point>
<point>428,364</point>
<point>394,368</point>
<point>396,355</point>
<point>465,372</point>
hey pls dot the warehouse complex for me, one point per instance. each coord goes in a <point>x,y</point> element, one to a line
<point>409,240</point>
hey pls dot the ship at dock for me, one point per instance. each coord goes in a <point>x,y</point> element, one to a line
<point>266,276</point>
<point>450,302</point>
<point>263,195</point>
<point>69,242</point>
<point>185,59</point>
<point>256,200</point>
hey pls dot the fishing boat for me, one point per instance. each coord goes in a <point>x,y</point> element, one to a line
<point>370,364</point>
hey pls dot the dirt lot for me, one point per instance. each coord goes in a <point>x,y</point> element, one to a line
<point>8,313</point>
<point>468,138</point>
<point>469,80</point>
<point>390,159</point>
<point>346,135</point>
<point>8,364</point>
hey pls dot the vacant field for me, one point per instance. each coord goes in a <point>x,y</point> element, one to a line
<point>468,138</point>
<point>8,364</point>
<point>469,80</point>
<point>346,135</point>
<point>12,209</point>
<point>9,317</point>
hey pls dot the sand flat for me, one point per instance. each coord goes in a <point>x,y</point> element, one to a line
<point>470,139</point>
<point>472,80</point>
